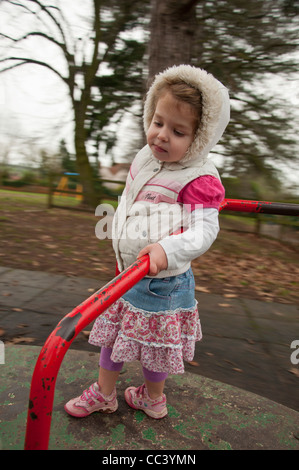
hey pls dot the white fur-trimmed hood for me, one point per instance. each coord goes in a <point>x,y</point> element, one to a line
<point>215,112</point>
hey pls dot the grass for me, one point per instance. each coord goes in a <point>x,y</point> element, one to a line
<point>35,199</point>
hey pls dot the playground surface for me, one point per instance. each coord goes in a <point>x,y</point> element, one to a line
<point>202,413</point>
<point>209,407</point>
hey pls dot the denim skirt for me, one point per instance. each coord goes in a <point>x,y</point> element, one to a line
<point>156,322</point>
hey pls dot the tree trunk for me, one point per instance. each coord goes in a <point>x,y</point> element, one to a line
<point>83,165</point>
<point>172,34</point>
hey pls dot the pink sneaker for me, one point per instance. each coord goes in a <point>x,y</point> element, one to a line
<point>138,398</point>
<point>90,401</point>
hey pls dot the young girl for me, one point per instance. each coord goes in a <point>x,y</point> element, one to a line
<point>169,210</point>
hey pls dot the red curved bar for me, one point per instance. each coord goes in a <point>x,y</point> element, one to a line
<point>48,363</point>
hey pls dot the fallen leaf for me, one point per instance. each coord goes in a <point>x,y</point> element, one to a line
<point>23,340</point>
<point>193,363</point>
<point>294,371</point>
<point>86,333</point>
<point>230,362</point>
<point>202,289</point>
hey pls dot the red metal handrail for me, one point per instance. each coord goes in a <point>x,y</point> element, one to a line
<point>50,358</point>
<point>260,207</point>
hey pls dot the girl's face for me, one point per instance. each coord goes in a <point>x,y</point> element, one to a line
<point>172,129</point>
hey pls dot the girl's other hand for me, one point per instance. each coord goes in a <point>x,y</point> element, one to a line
<point>158,258</point>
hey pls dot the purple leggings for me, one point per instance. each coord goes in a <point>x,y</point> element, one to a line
<point>107,363</point>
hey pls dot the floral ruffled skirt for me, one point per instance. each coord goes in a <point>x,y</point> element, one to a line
<point>156,323</point>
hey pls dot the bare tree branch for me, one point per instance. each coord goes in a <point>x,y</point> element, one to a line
<point>35,33</point>
<point>45,8</point>
<point>26,60</point>
<point>20,5</point>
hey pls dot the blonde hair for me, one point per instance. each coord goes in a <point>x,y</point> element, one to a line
<point>182,92</point>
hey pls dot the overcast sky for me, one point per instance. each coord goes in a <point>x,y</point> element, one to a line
<point>34,104</point>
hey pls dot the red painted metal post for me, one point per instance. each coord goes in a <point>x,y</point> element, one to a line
<point>48,363</point>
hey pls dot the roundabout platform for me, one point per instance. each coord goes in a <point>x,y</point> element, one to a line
<point>203,414</point>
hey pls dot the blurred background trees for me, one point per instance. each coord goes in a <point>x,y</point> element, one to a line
<point>252,47</point>
<point>85,59</point>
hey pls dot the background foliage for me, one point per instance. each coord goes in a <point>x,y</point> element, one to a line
<point>252,47</point>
